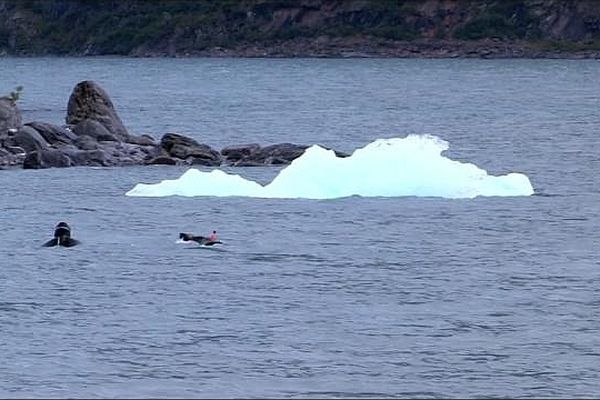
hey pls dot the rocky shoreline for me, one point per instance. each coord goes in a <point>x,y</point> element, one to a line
<point>94,135</point>
<point>367,47</point>
<point>372,47</point>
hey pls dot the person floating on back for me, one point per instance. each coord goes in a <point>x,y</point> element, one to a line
<point>62,237</point>
<point>201,240</point>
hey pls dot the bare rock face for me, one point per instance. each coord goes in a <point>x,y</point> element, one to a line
<point>89,101</point>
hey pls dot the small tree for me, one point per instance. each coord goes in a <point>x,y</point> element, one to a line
<point>15,95</point>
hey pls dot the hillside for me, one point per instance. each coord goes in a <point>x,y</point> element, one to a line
<point>288,28</point>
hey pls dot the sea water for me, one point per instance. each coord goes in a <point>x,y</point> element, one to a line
<point>357,296</point>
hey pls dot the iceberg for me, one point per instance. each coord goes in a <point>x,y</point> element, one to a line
<point>409,166</point>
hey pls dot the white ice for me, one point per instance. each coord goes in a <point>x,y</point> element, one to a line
<point>410,166</point>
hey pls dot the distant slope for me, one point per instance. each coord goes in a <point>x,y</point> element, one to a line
<point>403,28</point>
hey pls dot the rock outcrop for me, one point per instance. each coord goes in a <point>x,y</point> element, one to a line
<point>54,135</point>
<point>96,136</point>
<point>184,148</point>
<point>91,112</point>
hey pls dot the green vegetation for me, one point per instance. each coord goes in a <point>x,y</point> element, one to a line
<point>502,19</point>
<point>129,27</point>
<point>15,95</point>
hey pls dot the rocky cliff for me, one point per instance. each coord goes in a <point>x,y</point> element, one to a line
<point>400,28</point>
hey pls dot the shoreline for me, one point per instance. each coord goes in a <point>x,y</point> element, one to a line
<point>360,48</point>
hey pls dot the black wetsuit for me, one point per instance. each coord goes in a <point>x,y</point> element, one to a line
<point>64,241</point>
<point>62,237</point>
<point>203,240</point>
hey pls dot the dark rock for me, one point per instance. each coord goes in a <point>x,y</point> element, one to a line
<point>135,151</point>
<point>95,136</point>
<point>169,140</point>
<point>95,130</point>
<point>5,157</point>
<point>85,142</point>
<point>282,153</point>
<point>339,154</point>
<point>247,163</point>
<point>154,152</point>
<point>120,153</point>
<point>239,152</point>
<point>180,151</point>
<point>162,160</point>
<point>10,116</point>
<point>89,101</point>
<point>251,155</point>
<point>10,157</point>
<point>15,150</point>
<point>88,157</point>
<point>211,162</point>
<point>143,140</point>
<point>55,135</point>
<point>200,151</point>
<point>46,159</point>
<point>183,147</point>
<point>29,139</point>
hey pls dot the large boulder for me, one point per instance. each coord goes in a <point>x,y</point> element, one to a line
<point>282,153</point>
<point>200,155</point>
<point>90,102</point>
<point>10,116</point>
<point>46,159</point>
<point>170,140</point>
<point>143,140</point>
<point>188,149</point>
<point>96,157</point>
<point>85,142</point>
<point>94,129</point>
<point>29,139</point>
<point>120,153</point>
<point>239,152</point>
<point>54,135</point>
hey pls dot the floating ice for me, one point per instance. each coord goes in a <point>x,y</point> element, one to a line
<point>410,166</point>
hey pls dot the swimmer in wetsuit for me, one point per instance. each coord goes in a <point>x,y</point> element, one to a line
<point>62,237</point>
<point>202,240</point>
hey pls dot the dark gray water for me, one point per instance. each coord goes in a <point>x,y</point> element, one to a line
<point>376,297</point>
